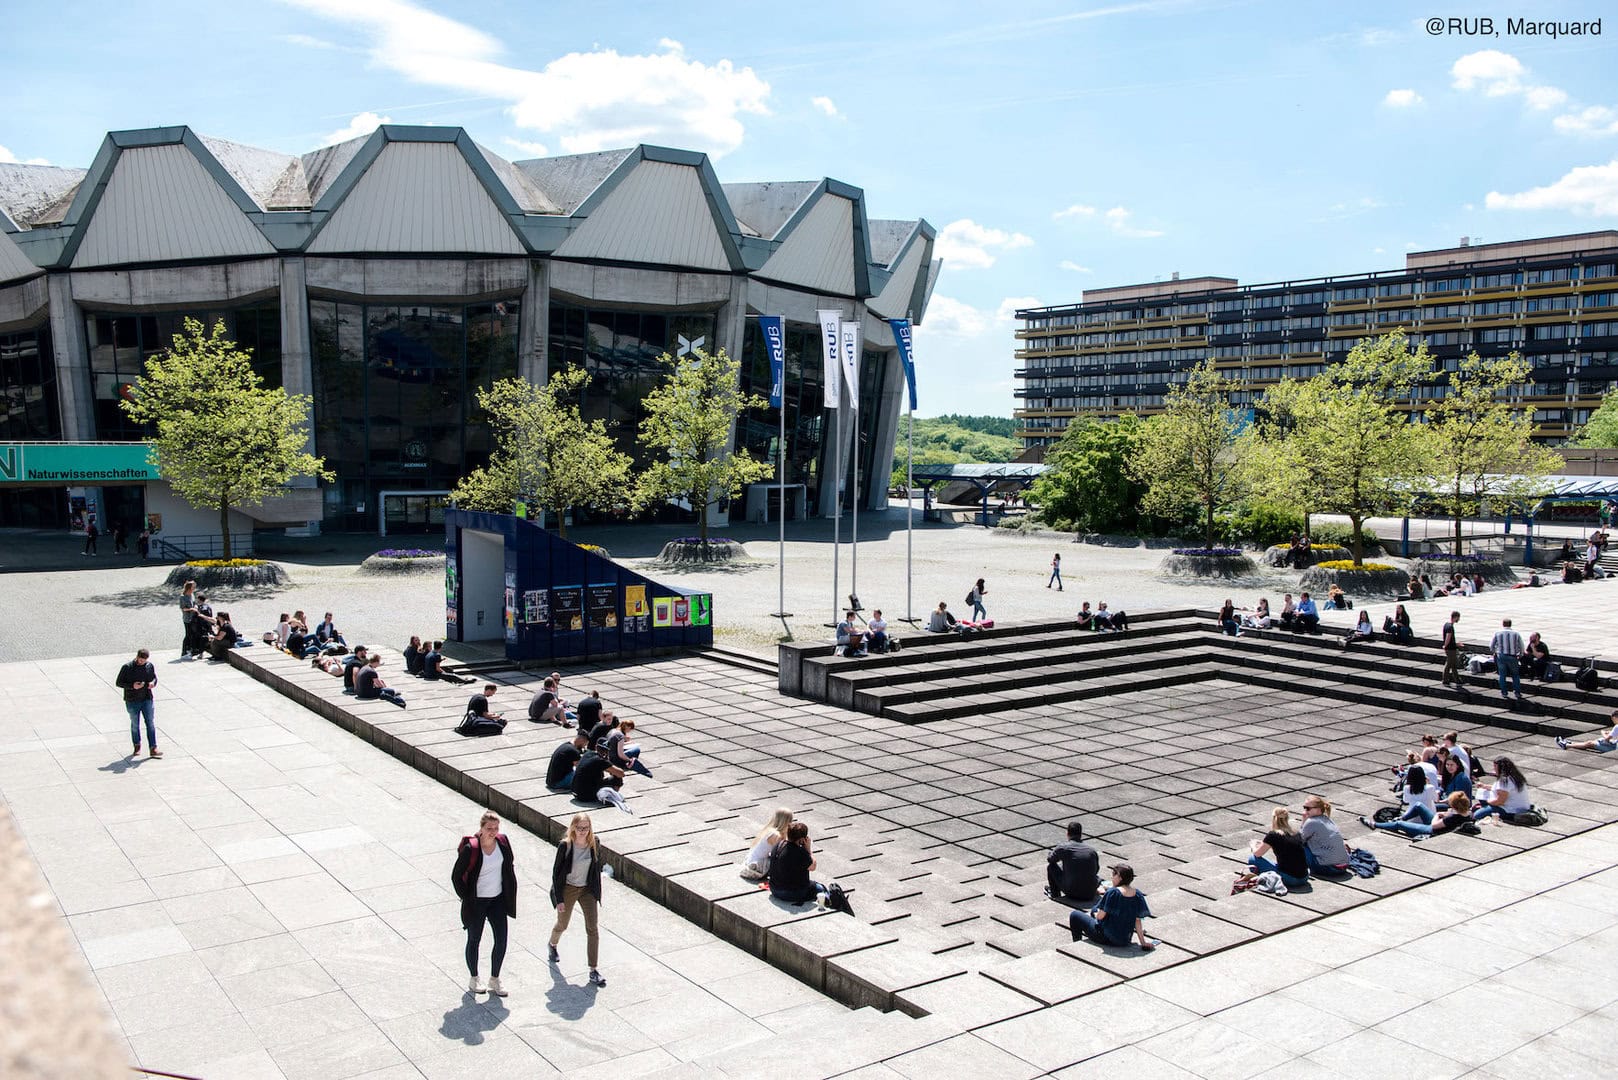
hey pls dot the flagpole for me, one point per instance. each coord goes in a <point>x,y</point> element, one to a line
<point>854,542</point>
<point>773,329</point>
<point>910,508</point>
<point>837,516</point>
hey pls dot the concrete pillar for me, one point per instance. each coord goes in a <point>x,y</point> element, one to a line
<point>71,347</point>
<point>534,324</point>
<point>297,357</point>
<point>730,330</point>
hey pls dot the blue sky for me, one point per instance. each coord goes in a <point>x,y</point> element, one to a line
<point>1057,146</point>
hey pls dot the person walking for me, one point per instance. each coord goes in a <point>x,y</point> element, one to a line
<point>120,539</point>
<point>1507,647</point>
<point>90,534</point>
<point>136,680</point>
<point>975,598</point>
<point>144,543</point>
<point>1056,571</point>
<point>485,879</point>
<point>1452,649</point>
<point>576,879</point>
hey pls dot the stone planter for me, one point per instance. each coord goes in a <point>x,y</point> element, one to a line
<point>688,551</point>
<point>214,577</point>
<point>386,565</point>
<point>1493,571</point>
<point>1278,555</point>
<point>1209,566</point>
<point>1356,583</point>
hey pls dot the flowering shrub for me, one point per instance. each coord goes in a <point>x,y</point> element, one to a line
<point>1348,564</point>
<point>699,540</point>
<point>1205,552</point>
<point>223,564</point>
<point>596,549</point>
<point>408,553</point>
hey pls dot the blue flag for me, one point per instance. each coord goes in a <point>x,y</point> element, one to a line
<point>901,336</point>
<point>775,342</point>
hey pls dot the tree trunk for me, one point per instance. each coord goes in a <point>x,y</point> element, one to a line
<point>561,522</point>
<point>1359,540</point>
<point>1306,525</point>
<point>1457,504</point>
<point>224,528</point>
<point>1210,522</point>
<point>702,520</point>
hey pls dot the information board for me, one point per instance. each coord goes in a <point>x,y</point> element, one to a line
<point>603,606</point>
<point>567,607</point>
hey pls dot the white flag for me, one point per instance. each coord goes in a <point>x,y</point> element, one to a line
<point>830,349</point>
<point>852,340</point>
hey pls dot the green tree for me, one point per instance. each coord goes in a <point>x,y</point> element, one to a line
<point>1087,479</point>
<point>1279,467</point>
<point>545,451</point>
<point>220,437</point>
<point>1350,448</point>
<point>1601,430</point>
<point>1480,443</point>
<point>1194,450</point>
<point>688,425</point>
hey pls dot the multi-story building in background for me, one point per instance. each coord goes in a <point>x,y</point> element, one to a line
<point>1554,300</point>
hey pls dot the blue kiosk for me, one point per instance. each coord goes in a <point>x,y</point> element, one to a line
<point>549,600</point>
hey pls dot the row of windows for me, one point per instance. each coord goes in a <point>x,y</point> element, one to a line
<point>28,407</point>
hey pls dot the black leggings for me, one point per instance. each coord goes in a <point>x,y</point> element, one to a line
<point>494,910</point>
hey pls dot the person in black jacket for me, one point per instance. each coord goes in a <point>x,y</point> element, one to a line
<point>136,680</point>
<point>1073,869</point>
<point>576,879</point>
<point>486,881</point>
<point>791,863</point>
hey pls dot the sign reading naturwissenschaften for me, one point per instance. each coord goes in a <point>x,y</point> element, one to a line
<point>73,464</point>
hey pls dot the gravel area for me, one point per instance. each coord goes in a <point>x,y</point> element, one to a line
<point>105,605</point>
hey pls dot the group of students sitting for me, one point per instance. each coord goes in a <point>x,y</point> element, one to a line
<point>1102,619</point>
<point>361,672</point>
<point>1300,616</point>
<point>853,641</point>
<point>206,631</point>
<point>592,764</point>
<point>292,634</point>
<point>425,660</point>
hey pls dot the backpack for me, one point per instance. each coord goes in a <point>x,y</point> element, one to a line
<point>1587,679</point>
<point>1553,671</point>
<point>1532,817</point>
<point>472,724</point>
<point>969,593</point>
<point>1475,766</point>
<point>837,899</point>
<point>1385,814</point>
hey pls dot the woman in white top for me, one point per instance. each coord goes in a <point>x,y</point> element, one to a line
<point>1420,797</point>
<point>1509,795</point>
<point>1260,619</point>
<point>1362,630</point>
<point>486,881</point>
<point>757,865</point>
<point>576,879</point>
<point>282,629</point>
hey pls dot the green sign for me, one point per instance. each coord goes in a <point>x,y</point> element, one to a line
<point>75,464</point>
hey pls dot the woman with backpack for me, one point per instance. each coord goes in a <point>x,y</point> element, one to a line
<point>576,879</point>
<point>975,598</point>
<point>1508,796</point>
<point>485,879</point>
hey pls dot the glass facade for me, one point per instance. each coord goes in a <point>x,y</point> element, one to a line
<point>620,350</point>
<point>806,417</point>
<point>396,396</point>
<point>28,387</point>
<point>120,345</point>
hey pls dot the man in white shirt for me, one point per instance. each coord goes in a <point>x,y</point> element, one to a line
<point>1507,647</point>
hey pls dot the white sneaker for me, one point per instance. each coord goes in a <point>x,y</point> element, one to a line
<point>495,988</point>
<point>474,985</point>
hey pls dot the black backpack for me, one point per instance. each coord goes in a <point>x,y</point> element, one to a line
<point>472,724</point>
<point>969,593</point>
<point>837,899</point>
<point>1587,679</point>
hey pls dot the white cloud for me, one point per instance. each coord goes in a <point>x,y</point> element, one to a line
<point>1595,120</point>
<point>8,158</point>
<point>587,100</point>
<point>1588,189</point>
<point>1069,264</point>
<point>532,149</point>
<point>1076,210</point>
<point>1401,99</point>
<point>363,124</point>
<point>1007,311</point>
<point>950,317</point>
<point>1499,74</point>
<point>1118,220</point>
<point>307,42</point>
<point>668,44</point>
<point>825,105</point>
<point>966,245</point>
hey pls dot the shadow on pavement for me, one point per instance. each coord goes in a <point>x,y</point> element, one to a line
<point>469,1022</point>
<point>566,1000</point>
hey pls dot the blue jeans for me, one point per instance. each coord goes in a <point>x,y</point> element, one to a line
<point>564,784</point>
<point>632,757</point>
<point>1260,865</point>
<point>1406,826</point>
<point>1484,811</point>
<point>1319,869</point>
<point>1056,576</point>
<point>1505,664</point>
<point>1414,812</point>
<point>979,612</point>
<point>136,710</point>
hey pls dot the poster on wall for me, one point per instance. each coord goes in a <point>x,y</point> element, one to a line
<point>567,607</point>
<point>510,612</point>
<point>452,593</point>
<point>604,606</point>
<point>702,609</point>
<point>536,607</point>
<point>663,611</point>
<point>682,611</point>
<point>637,615</point>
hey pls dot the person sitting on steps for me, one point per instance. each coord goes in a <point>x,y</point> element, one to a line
<point>1307,617</point>
<point>368,684</point>
<point>1602,744</point>
<point>1073,869</point>
<point>1116,621</point>
<point>756,867</point>
<point>1286,845</point>
<point>791,863</point>
<point>850,639</point>
<point>1117,916</point>
<point>1362,630</point>
<point>564,760</point>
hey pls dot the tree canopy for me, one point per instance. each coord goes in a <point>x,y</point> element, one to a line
<point>1194,450</point>
<point>545,451</point>
<point>953,440</point>
<point>1087,481</point>
<point>1601,430</point>
<point>687,427</point>
<point>219,436</point>
<point>1479,442</point>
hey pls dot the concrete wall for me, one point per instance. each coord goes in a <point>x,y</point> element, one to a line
<point>180,518</point>
<point>1582,462</point>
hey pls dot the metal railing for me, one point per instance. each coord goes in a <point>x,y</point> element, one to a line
<point>183,548</point>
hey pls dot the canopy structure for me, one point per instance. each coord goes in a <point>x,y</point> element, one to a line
<point>1012,476</point>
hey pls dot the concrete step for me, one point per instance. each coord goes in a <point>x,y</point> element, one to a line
<point>1153,672</point>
